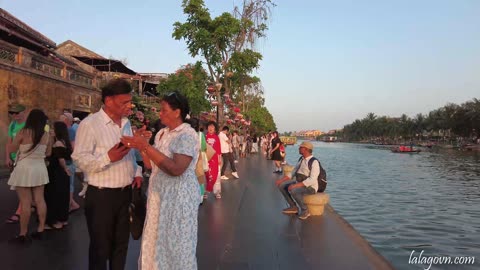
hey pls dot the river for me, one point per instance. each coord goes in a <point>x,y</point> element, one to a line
<point>404,203</point>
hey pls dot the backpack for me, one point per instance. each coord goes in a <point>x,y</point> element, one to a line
<point>322,176</point>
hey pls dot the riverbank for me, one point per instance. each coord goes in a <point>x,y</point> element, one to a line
<point>243,230</point>
<point>404,203</point>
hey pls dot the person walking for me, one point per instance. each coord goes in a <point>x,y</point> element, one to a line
<point>227,155</point>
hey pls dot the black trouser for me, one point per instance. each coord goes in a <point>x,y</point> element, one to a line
<point>228,157</point>
<point>108,224</point>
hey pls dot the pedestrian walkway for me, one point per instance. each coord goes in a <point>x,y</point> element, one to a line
<point>243,230</point>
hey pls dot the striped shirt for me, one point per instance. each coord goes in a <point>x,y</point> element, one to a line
<point>96,135</point>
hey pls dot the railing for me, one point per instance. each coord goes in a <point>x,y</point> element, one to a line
<point>48,65</point>
<point>8,53</point>
<point>41,65</point>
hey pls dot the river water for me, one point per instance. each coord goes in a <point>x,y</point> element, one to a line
<point>404,203</point>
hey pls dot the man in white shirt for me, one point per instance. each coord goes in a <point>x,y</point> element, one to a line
<point>111,171</point>
<point>225,146</point>
<point>305,182</point>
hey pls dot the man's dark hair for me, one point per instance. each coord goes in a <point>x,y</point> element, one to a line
<point>116,87</point>
<point>226,128</point>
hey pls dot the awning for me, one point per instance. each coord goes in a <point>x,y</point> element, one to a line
<point>107,65</point>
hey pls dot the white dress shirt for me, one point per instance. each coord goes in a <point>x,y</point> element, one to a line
<point>224,144</point>
<point>96,135</point>
<point>302,167</point>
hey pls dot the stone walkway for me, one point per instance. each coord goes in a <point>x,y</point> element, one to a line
<point>243,230</point>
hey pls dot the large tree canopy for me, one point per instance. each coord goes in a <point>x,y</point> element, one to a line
<point>226,42</point>
<point>190,80</point>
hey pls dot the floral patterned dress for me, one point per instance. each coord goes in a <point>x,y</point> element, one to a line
<point>212,174</point>
<point>169,238</point>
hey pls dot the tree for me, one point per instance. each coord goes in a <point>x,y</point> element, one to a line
<point>261,119</point>
<point>190,80</point>
<point>226,42</point>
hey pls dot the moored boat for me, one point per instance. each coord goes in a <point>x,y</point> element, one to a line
<point>288,140</point>
<point>405,149</point>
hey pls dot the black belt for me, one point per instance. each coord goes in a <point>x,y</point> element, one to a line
<point>127,187</point>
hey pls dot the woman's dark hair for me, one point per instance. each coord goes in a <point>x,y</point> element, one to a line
<point>116,87</point>
<point>35,123</point>
<point>177,101</point>
<point>61,134</point>
<point>212,123</point>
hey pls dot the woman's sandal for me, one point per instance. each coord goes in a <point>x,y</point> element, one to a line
<point>218,196</point>
<point>14,219</point>
<point>53,227</point>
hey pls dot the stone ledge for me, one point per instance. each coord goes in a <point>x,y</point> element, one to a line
<point>316,203</point>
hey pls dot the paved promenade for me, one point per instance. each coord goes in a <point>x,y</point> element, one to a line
<point>243,230</point>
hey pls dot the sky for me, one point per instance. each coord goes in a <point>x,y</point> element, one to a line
<point>325,63</point>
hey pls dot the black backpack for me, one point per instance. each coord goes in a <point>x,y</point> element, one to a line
<point>322,176</point>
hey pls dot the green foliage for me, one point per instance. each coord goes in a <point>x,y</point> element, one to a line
<point>151,115</point>
<point>262,120</point>
<point>225,42</point>
<point>191,81</point>
<point>457,120</point>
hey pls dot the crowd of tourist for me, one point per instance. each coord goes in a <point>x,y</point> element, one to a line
<point>184,158</point>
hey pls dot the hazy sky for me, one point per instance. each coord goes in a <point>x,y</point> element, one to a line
<point>325,63</point>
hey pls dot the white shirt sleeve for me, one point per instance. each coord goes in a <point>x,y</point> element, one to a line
<point>83,154</point>
<point>312,179</point>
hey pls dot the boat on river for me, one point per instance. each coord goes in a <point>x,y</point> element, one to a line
<point>405,149</point>
<point>288,140</point>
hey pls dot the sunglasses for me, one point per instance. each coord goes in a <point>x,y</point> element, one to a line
<point>174,94</point>
<point>13,113</point>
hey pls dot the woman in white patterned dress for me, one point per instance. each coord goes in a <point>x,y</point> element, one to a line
<point>169,238</point>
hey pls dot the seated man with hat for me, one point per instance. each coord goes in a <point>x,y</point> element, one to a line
<point>305,182</point>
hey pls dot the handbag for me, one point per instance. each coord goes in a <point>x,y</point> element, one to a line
<point>137,211</point>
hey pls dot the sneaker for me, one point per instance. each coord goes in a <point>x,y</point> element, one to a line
<point>304,215</point>
<point>290,210</point>
<point>223,177</point>
<point>235,174</point>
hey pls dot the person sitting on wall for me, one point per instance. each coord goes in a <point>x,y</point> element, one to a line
<point>305,182</point>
